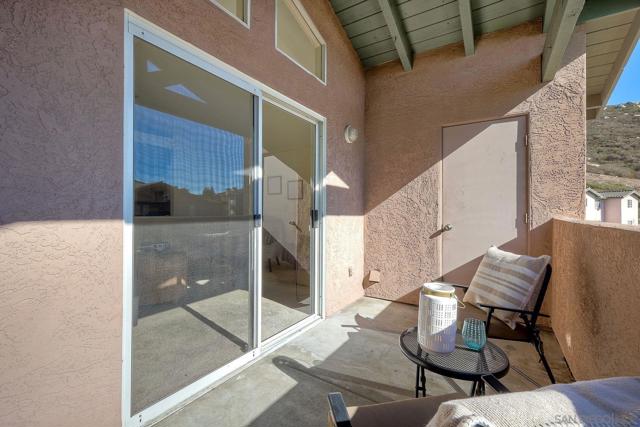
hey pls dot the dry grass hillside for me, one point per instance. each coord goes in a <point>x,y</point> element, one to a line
<point>613,148</point>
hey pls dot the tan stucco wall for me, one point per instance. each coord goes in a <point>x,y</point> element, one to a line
<point>405,113</point>
<point>596,296</point>
<point>61,86</point>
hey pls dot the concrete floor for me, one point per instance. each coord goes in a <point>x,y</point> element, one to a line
<point>181,343</point>
<point>355,352</point>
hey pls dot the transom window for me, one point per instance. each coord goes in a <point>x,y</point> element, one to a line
<point>297,38</point>
<point>239,9</point>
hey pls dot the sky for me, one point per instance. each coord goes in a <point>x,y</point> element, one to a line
<point>628,87</point>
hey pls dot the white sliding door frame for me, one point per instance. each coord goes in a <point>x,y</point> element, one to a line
<point>136,26</point>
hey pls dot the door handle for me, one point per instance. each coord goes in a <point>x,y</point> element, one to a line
<point>447,227</point>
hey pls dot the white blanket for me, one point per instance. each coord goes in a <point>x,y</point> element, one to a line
<point>611,402</point>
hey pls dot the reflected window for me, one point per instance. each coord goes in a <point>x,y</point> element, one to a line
<point>193,136</point>
<point>185,168</point>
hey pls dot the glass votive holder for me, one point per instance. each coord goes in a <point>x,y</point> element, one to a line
<point>474,333</point>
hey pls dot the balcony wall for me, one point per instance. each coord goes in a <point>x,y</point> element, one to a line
<point>595,297</point>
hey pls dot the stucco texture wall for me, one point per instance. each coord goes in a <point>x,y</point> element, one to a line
<point>61,97</point>
<point>596,297</point>
<point>405,113</point>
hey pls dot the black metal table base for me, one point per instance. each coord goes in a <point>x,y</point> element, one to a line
<point>477,387</point>
<point>421,381</point>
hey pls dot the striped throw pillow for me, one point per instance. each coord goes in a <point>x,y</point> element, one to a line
<point>507,280</point>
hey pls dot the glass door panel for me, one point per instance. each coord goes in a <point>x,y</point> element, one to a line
<point>289,146</point>
<point>193,227</point>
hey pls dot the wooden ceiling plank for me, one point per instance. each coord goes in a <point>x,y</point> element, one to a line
<point>596,9</point>
<point>340,5</point>
<point>623,56</point>
<point>594,101</point>
<point>359,11</point>
<point>380,59</point>
<point>608,34</point>
<point>371,37</point>
<point>603,48</point>
<point>509,20</point>
<point>596,60</point>
<point>365,25</point>
<point>376,48</point>
<point>439,41</point>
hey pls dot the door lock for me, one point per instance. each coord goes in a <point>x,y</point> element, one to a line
<point>447,227</point>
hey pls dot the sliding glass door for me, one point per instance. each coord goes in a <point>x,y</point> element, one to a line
<point>193,225</point>
<point>289,148</point>
<point>221,211</point>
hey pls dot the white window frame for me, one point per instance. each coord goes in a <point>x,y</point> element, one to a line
<point>247,8</point>
<point>629,203</point>
<point>136,26</point>
<point>314,31</point>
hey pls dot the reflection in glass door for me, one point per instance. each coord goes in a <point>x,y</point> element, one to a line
<point>289,158</point>
<point>193,226</point>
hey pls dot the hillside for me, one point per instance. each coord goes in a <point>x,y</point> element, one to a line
<point>611,183</point>
<point>613,141</point>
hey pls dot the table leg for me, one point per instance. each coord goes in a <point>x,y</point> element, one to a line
<point>481,388</point>
<point>421,381</point>
<point>473,389</point>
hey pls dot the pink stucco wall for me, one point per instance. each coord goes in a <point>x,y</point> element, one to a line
<point>596,296</point>
<point>612,210</point>
<point>405,113</point>
<point>61,86</point>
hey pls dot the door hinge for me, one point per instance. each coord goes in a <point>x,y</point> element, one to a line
<point>314,218</point>
<point>526,217</point>
<point>257,220</point>
<point>526,139</point>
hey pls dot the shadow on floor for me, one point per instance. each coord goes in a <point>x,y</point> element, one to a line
<point>355,352</point>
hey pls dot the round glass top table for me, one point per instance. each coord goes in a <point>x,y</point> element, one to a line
<point>462,364</point>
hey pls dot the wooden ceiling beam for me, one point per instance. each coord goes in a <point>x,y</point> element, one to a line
<point>467,26</point>
<point>398,33</point>
<point>563,22</point>
<point>548,13</point>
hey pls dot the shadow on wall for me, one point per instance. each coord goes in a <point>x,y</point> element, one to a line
<point>405,115</point>
<point>454,275</point>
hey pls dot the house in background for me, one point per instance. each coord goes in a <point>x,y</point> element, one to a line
<point>593,210</point>
<point>619,207</point>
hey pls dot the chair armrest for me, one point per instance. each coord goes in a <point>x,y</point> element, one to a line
<point>514,310</point>
<point>464,288</point>
<point>338,410</point>
<point>495,384</point>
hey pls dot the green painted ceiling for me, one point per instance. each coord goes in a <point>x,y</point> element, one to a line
<point>611,26</point>
<point>428,23</point>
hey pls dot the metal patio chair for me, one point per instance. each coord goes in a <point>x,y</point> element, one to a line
<point>527,331</point>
